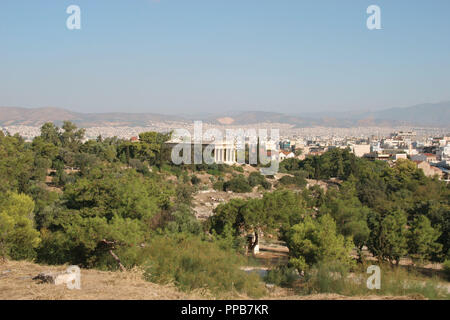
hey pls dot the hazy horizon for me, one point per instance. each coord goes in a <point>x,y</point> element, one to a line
<point>229,112</point>
<point>178,57</point>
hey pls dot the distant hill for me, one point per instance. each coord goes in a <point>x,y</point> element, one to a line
<point>429,114</point>
<point>37,116</point>
<point>421,115</point>
<point>437,114</point>
<point>27,116</point>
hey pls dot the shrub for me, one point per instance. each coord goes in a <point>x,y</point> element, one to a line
<point>192,263</point>
<point>139,166</point>
<point>446,266</point>
<point>282,276</point>
<point>238,169</point>
<point>184,221</point>
<point>395,281</point>
<point>195,180</point>
<point>238,184</point>
<point>329,277</point>
<point>299,179</point>
<point>266,185</point>
<point>218,186</point>
<point>255,178</point>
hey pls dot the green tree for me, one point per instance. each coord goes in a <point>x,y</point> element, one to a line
<point>388,235</point>
<point>348,212</point>
<point>315,241</point>
<point>17,164</point>
<point>72,137</point>
<point>18,238</point>
<point>51,134</point>
<point>422,244</point>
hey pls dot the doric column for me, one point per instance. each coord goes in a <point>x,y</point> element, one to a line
<point>216,154</point>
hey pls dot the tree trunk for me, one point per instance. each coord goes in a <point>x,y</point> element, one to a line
<point>254,245</point>
<point>118,260</point>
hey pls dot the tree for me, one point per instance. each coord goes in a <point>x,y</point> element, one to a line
<point>315,241</point>
<point>17,164</point>
<point>348,212</point>
<point>422,244</point>
<point>152,147</point>
<point>388,235</point>
<point>51,134</point>
<point>276,211</point>
<point>72,137</point>
<point>18,238</point>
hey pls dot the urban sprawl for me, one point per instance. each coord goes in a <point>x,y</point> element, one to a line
<point>429,148</point>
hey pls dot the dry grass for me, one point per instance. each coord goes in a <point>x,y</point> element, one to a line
<point>16,284</point>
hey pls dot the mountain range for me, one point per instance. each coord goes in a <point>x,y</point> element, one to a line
<point>424,115</point>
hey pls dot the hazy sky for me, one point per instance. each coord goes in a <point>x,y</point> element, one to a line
<point>183,56</point>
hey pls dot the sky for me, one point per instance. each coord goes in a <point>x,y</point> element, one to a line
<point>215,56</point>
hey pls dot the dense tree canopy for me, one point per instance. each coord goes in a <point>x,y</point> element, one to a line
<point>65,199</point>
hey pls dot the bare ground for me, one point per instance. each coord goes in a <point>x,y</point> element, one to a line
<point>206,201</point>
<point>16,283</point>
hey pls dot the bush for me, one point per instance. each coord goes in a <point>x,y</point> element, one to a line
<point>184,220</point>
<point>282,276</point>
<point>139,166</point>
<point>195,180</point>
<point>395,281</point>
<point>192,263</point>
<point>329,278</point>
<point>238,184</point>
<point>446,267</point>
<point>266,185</point>
<point>238,169</point>
<point>218,186</point>
<point>299,180</point>
<point>256,178</point>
